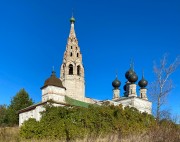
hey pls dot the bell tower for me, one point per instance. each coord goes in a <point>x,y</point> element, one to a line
<point>72,70</point>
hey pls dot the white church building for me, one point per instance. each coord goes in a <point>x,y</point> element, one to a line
<point>69,89</point>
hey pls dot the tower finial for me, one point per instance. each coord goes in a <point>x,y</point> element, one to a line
<point>116,74</point>
<point>72,12</point>
<point>72,20</point>
<point>53,72</point>
<point>72,31</point>
<point>132,64</point>
<point>142,73</point>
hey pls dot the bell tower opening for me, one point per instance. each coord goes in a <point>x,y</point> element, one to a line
<point>70,69</point>
<point>78,70</point>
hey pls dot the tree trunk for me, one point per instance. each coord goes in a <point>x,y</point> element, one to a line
<point>158,110</point>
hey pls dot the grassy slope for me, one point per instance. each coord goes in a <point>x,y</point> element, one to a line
<point>11,134</point>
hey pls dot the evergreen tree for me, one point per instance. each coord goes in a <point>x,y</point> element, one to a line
<point>20,100</point>
<point>3,115</point>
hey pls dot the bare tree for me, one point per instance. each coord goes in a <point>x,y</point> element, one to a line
<point>162,85</point>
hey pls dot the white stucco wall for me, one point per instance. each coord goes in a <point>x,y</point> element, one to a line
<point>53,93</point>
<point>132,90</point>
<point>143,93</point>
<point>34,113</point>
<point>75,86</point>
<point>143,105</point>
<point>116,94</point>
<point>138,103</point>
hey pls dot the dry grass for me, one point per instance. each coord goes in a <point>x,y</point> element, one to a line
<point>11,134</point>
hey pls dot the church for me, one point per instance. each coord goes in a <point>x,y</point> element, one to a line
<point>69,89</point>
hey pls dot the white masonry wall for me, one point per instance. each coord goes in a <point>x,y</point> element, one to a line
<point>54,93</point>
<point>75,87</point>
<point>138,103</point>
<point>143,92</point>
<point>116,94</point>
<point>143,105</point>
<point>34,113</point>
<point>132,90</point>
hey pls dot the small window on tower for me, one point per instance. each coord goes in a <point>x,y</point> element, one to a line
<point>78,70</point>
<point>70,69</point>
<point>71,54</point>
<point>71,47</point>
<point>77,54</point>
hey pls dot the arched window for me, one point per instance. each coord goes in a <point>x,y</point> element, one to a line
<point>71,54</point>
<point>77,54</point>
<point>70,69</point>
<point>78,70</point>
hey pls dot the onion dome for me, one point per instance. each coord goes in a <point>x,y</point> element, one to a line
<point>143,82</point>
<point>72,20</point>
<point>133,78</point>
<point>116,83</point>
<point>53,81</point>
<point>129,73</point>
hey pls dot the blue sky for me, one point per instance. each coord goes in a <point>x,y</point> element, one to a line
<point>33,36</point>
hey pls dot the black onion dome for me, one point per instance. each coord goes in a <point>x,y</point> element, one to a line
<point>53,81</point>
<point>143,83</point>
<point>129,73</point>
<point>133,78</point>
<point>116,83</point>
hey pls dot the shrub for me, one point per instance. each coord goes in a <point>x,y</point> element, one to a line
<point>70,123</point>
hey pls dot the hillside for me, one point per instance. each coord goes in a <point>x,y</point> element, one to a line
<point>106,123</point>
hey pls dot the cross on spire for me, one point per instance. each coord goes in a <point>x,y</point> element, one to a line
<point>116,74</point>
<point>142,73</point>
<point>132,64</point>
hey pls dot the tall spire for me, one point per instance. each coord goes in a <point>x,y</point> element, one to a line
<point>72,33</point>
<point>72,70</point>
